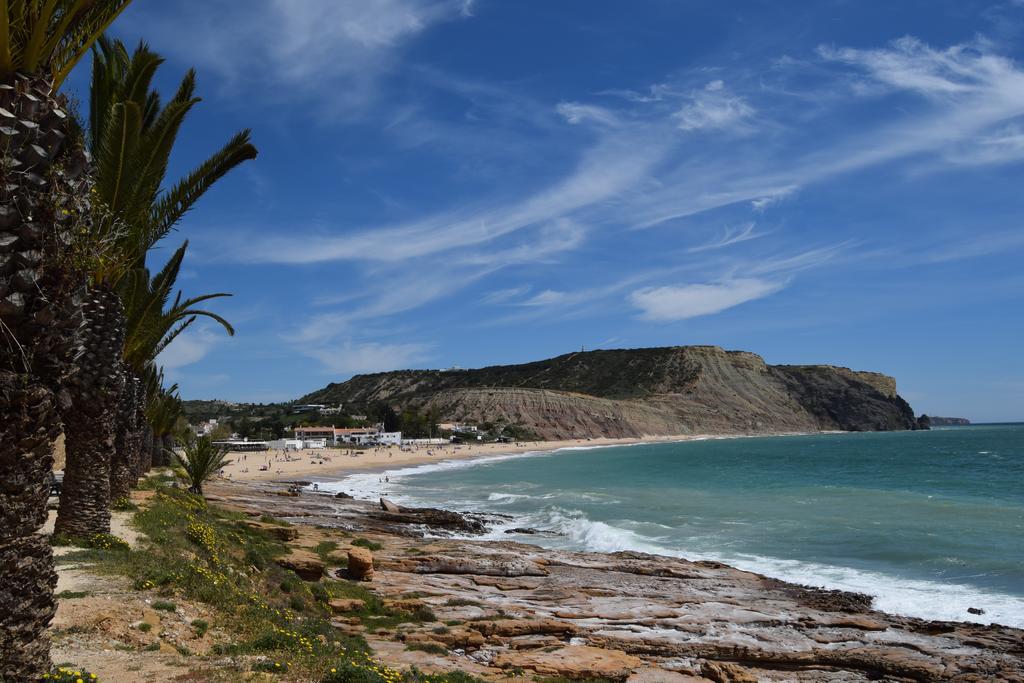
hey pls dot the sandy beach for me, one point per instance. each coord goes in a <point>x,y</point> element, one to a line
<point>335,462</point>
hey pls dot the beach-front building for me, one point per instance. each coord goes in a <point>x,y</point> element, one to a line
<point>287,444</point>
<point>243,446</point>
<point>315,433</point>
<point>359,435</point>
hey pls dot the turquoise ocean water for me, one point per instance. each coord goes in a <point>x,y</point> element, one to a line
<point>930,523</point>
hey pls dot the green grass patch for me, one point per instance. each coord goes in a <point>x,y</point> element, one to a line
<point>157,480</point>
<point>201,626</point>
<point>269,666</point>
<point>90,556</point>
<point>124,505</point>
<point>165,606</point>
<point>432,648</point>
<point>95,542</point>
<point>273,520</point>
<point>368,672</point>
<point>375,614</point>
<point>367,543</point>
<point>462,602</point>
<point>325,550</point>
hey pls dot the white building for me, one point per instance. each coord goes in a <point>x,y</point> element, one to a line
<point>307,407</point>
<point>243,446</point>
<point>286,444</point>
<point>207,427</point>
<point>394,438</point>
<point>336,436</point>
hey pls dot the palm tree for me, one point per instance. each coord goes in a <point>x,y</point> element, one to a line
<point>132,137</point>
<point>163,411</point>
<point>154,321</point>
<point>200,459</point>
<point>44,201</point>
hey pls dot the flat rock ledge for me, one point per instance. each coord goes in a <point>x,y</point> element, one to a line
<point>511,607</point>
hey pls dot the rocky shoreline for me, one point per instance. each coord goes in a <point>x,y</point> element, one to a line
<point>511,607</point>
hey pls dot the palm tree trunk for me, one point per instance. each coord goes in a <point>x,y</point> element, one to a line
<point>145,462</point>
<point>168,449</point>
<point>121,463</point>
<point>159,457</point>
<point>89,425</point>
<point>43,199</point>
<point>27,579</point>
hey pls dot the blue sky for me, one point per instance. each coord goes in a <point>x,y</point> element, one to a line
<point>461,183</point>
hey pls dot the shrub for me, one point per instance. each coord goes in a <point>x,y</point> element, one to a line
<point>271,667</point>
<point>165,606</point>
<point>124,505</point>
<point>432,648</point>
<point>70,674</point>
<point>95,542</point>
<point>461,602</point>
<point>352,672</point>
<point>201,626</point>
<point>145,627</point>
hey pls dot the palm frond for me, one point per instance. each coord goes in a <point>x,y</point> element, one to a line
<point>51,35</point>
<point>173,205</point>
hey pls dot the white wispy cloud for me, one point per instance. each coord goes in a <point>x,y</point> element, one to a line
<point>191,347</point>
<point>608,169</point>
<point>545,298</point>
<point>350,358</point>
<point>966,93</point>
<point>502,295</point>
<point>575,113</point>
<point>714,108</point>
<point>550,240</point>
<point>910,64</point>
<point>762,204</point>
<point>334,50</point>
<point>732,235</point>
<point>679,302</point>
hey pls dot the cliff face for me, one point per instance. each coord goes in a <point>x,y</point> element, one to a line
<point>637,392</point>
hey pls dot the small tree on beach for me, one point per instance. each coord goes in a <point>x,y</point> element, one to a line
<point>199,460</point>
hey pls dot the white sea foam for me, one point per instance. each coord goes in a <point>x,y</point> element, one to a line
<point>371,485</point>
<point>909,597</point>
<point>506,497</point>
